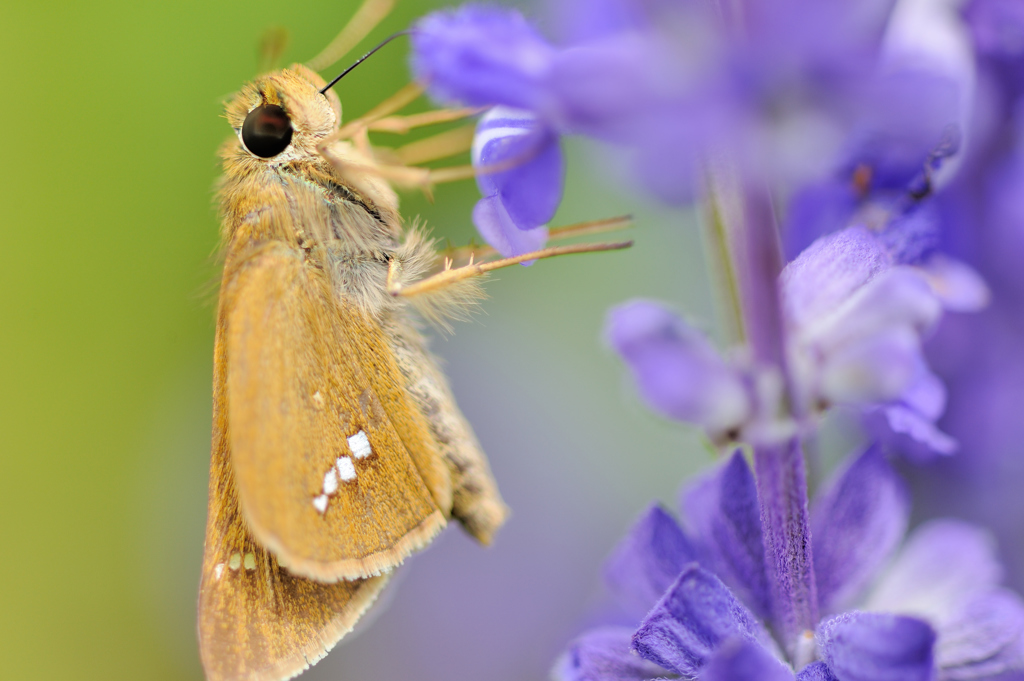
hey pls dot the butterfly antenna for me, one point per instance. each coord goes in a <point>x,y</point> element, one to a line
<point>363,58</point>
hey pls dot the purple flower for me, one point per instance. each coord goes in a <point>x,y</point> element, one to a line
<point>523,191</point>
<point>480,56</point>
<point>855,320</point>
<point>678,371</point>
<point>937,611</point>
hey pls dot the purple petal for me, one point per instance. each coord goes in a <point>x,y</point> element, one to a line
<point>906,426</point>
<point>874,369</point>
<point>912,236</point>
<point>816,671</point>
<point>987,638</point>
<point>603,86</point>
<point>479,56</point>
<point>1005,214</point>
<point>585,20</point>
<point>723,512</point>
<point>678,372</point>
<point>926,44</point>
<point>742,660</point>
<point>956,284</point>
<point>944,565</point>
<point>861,646</point>
<point>498,230</point>
<point>905,431</point>
<point>855,526</point>
<point>668,159</point>
<point>829,271</point>
<point>997,27</point>
<point>648,560</point>
<point>898,297</point>
<point>531,190</point>
<point>692,620</point>
<point>604,655</point>
<point>817,210</point>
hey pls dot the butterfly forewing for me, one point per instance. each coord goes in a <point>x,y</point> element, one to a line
<point>258,622</point>
<point>328,481</point>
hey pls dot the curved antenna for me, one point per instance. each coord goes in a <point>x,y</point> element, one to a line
<point>363,58</point>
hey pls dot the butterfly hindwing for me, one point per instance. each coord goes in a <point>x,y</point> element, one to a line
<point>335,475</point>
<point>258,622</point>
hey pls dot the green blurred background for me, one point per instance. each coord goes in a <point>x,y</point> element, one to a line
<point>108,273</point>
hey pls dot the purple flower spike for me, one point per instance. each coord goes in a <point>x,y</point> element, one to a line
<point>855,525</point>
<point>527,192</point>
<point>741,660</point>
<point>480,56</point>
<point>692,620</point>
<point>861,646</point>
<point>648,560</point>
<point>723,511</point>
<point>678,372</point>
<point>604,655</point>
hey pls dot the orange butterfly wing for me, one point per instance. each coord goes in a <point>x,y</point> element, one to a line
<point>321,471</point>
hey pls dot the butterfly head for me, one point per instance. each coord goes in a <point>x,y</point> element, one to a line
<point>282,116</point>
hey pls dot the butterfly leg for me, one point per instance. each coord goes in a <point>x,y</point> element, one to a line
<point>366,18</point>
<point>450,276</point>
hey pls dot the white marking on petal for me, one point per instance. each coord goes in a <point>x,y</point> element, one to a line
<point>346,469</point>
<point>235,561</point>
<point>218,570</point>
<point>331,481</point>
<point>250,561</point>
<point>320,503</point>
<point>522,123</point>
<point>360,445</point>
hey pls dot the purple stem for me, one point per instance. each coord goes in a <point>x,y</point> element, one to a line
<point>781,479</point>
<point>782,491</point>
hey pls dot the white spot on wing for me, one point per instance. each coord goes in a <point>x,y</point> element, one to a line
<point>235,561</point>
<point>250,561</point>
<point>360,445</point>
<point>318,398</point>
<point>331,481</point>
<point>346,469</point>
<point>320,503</point>
<point>218,570</point>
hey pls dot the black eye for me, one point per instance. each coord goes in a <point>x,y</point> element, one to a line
<point>267,131</point>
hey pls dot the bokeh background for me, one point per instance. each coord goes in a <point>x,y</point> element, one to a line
<point>111,120</point>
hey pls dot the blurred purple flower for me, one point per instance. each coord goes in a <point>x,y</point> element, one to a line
<point>480,55</point>
<point>857,319</point>
<point>673,83</point>
<point>997,27</point>
<point>678,371</point>
<point>937,612</point>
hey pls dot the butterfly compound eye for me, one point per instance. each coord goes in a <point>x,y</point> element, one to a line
<point>267,131</point>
